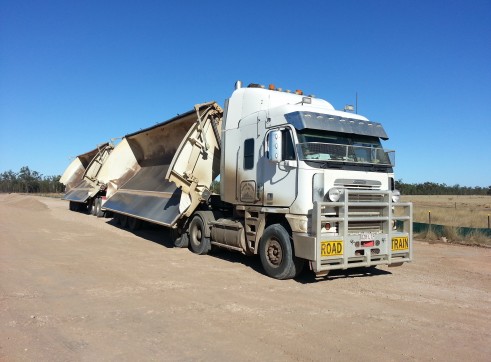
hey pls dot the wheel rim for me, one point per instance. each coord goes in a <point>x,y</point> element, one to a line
<point>274,253</point>
<point>196,235</point>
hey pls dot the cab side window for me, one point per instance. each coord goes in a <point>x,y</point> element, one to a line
<point>249,154</point>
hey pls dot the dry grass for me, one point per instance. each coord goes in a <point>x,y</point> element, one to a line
<point>453,212</point>
<point>458,211</point>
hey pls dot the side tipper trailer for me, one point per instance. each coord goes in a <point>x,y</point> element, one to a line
<point>149,192</point>
<point>83,193</point>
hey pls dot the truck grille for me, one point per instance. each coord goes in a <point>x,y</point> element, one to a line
<point>361,211</point>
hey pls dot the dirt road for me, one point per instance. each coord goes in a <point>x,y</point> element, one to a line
<point>74,287</point>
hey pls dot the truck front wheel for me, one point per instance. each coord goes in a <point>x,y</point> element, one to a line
<point>199,243</point>
<point>276,253</point>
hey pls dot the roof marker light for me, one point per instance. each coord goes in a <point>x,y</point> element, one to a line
<point>271,87</point>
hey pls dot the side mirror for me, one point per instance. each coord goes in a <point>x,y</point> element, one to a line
<point>274,146</point>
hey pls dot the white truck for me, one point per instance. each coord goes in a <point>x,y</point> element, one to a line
<point>300,183</point>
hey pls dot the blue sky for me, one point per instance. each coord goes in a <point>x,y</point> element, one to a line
<point>74,74</point>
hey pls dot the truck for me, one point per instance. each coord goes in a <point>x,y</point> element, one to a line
<point>301,184</point>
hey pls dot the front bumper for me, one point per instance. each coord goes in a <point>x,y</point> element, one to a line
<point>352,256</point>
<point>347,249</point>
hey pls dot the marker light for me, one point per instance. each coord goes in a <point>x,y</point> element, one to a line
<point>271,87</point>
<point>299,92</point>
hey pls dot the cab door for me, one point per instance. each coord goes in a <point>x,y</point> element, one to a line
<point>279,176</point>
<point>249,158</point>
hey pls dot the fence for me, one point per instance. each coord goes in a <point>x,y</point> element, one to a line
<point>439,230</point>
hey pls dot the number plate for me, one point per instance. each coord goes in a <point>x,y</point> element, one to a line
<point>332,248</point>
<point>366,237</point>
<point>400,243</point>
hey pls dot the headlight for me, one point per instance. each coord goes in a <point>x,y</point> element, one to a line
<point>396,196</point>
<point>334,194</point>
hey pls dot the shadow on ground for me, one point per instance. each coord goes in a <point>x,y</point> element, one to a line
<point>162,236</point>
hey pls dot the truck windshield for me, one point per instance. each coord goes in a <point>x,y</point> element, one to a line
<point>338,147</point>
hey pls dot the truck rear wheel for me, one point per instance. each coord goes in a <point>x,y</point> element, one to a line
<point>200,244</point>
<point>276,253</point>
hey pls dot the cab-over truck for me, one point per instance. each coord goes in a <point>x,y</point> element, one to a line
<point>301,184</point>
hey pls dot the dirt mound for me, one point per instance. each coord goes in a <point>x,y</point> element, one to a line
<point>22,201</point>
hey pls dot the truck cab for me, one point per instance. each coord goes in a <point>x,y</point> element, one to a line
<point>293,163</point>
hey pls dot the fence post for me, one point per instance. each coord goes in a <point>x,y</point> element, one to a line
<point>488,222</point>
<point>429,220</point>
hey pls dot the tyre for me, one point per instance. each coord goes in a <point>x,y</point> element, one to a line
<point>198,242</point>
<point>91,207</point>
<point>72,206</point>
<point>134,223</point>
<point>181,241</point>
<point>83,208</point>
<point>98,208</point>
<point>276,253</point>
<point>122,220</point>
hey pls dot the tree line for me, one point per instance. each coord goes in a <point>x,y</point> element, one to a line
<point>28,181</point>
<point>432,188</point>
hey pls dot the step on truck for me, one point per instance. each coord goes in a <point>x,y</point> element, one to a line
<point>83,188</point>
<point>301,184</point>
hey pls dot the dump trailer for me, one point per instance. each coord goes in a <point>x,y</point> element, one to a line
<point>76,169</point>
<point>144,192</point>
<point>82,195</point>
<point>301,184</point>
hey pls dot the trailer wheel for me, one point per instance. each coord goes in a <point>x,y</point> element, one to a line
<point>134,223</point>
<point>82,207</point>
<point>181,241</point>
<point>122,220</point>
<point>98,208</point>
<point>91,207</point>
<point>276,253</point>
<point>199,243</point>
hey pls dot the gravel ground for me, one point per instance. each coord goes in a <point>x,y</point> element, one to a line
<point>74,287</point>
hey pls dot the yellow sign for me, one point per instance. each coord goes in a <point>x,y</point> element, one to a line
<point>400,243</point>
<point>332,248</point>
